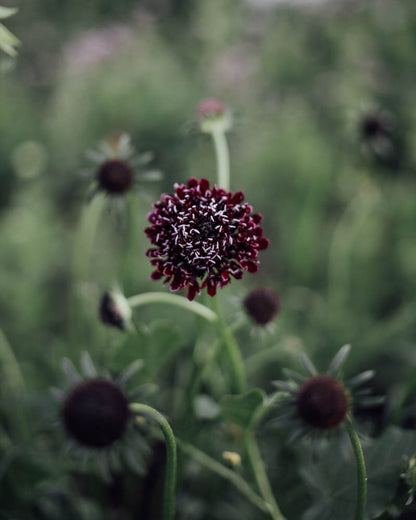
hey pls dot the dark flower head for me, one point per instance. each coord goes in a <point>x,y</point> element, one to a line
<point>95,413</point>
<point>202,237</point>
<point>322,402</point>
<point>115,177</point>
<point>373,126</point>
<point>213,115</point>
<point>114,310</point>
<point>262,305</point>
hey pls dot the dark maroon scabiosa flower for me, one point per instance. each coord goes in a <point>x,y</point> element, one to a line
<point>115,177</point>
<point>322,402</point>
<point>95,413</point>
<point>203,236</point>
<point>262,305</point>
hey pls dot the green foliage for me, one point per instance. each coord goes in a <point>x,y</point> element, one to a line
<point>331,475</point>
<point>241,409</point>
<point>338,208</point>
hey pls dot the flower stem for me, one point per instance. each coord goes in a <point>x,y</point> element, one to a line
<point>209,360</point>
<point>172,299</point>
<point>11,370</point>
<point>234,354</point>
<point>257,466</point>
<point>361,471</point>
<point>171,457</point>
<point>224,472</point>
<point>223,158</point>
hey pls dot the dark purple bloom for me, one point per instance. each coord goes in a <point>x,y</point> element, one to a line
<point>322,402</point>
<point>95,413</point>
<point>115,177</point>
<point>262,305</point>
<point>202,236</point>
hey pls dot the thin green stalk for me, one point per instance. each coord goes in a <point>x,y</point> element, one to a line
<point>209,361</point>
<point>171,457</point>
<point>85,237</point>
<point>172,299</point>
<point>15,383</point>
<point>223,158</point>
<point>226,473</point>
<point>361,471</point>
<point>10,366</point>
<point>234,354</point>
<point>262,481</point>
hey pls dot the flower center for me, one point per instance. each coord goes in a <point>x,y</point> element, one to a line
<point>115,176</point>
<point>322,402</point>
<point>95,413</point>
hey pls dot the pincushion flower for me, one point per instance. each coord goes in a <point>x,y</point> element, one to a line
<point>203,236</point>
<point>95,413</point>
<point>320,403</point>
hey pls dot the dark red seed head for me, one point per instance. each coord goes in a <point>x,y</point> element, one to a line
<point>95,413</point>
<point>115,177</point>
<point>322,402</point>
<point>262,305</point>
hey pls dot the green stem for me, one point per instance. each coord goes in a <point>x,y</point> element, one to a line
<point>172,299</point>
<point>234,354</point>
<point>171,457</point>
<point>225,473</point>
<point>11,369</point>
<point>223,158</point>
<point>361,471</point>
<point>260,475</point>
<point>209,360</point>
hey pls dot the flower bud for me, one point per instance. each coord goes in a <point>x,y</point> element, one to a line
<point>213,116</point>
<point>114,310</point>
<point>262,305</point>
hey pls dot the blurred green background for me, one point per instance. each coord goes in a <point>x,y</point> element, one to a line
<point>323,145</point>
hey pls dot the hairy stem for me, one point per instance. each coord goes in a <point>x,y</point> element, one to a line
<point>234,354</point>
<point>172,299</point>
<point>223,158</point>
<point>262,481</point>
<point>171,457</point>
<point>361,471</point>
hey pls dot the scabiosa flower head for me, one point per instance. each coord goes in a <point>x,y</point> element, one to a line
<point>117,168</point>
<point>202,237</point>
<point>95,413</point>
<point>374,125</point>
<point>262,305</point>
<point>213,115</point>
<point>115,176</point>
<point>321,402</point>
<point>114,310</point>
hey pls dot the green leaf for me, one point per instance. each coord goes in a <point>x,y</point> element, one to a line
<point>240,409</point>
<point>332,478</point>
<point>8,41</point>
<point>156,345</point>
